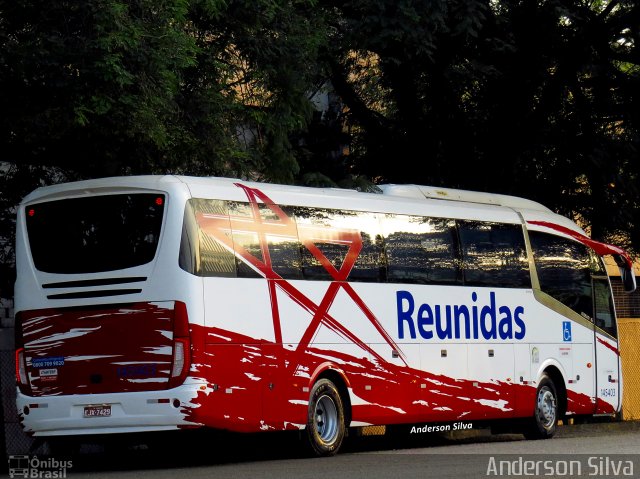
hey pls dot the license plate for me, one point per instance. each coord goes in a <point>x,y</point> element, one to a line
<point>101,410</point>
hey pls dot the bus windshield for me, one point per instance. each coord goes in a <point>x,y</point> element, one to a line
<point>95,234</point>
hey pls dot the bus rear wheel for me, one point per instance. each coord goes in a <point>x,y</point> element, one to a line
<point>545,418</point>
<point>325,419</point>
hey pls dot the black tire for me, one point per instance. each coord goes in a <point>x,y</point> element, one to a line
<point>325,419</point>
<point>545,416</point>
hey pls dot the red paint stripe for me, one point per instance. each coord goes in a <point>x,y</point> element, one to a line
<point>612,348</point>
<point>600,248</point>
<point>221,229</point>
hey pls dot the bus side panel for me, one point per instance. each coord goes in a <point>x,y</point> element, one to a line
<point>391,376</point>
<point>583,380</point>
<point>252,385</point>
<point>608,375</point>
<point>577,346</point>
<point>256,386</point>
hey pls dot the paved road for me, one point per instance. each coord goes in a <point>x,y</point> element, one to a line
<point>591,450</point>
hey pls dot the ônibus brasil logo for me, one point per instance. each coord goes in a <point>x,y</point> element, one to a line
<point>33,467</point>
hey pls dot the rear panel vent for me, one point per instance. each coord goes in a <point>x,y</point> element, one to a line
<point>94,282</point>
<point>93,294</point>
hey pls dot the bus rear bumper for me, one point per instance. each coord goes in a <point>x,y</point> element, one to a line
<point>127,412</point>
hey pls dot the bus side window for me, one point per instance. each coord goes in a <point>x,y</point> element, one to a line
<point>200,252</point>
<point>246,241</point>
<point>285,248</point>
<point>189,243</point>
<point>493,255</point>
<point>603,307</point>
<point>329,236</point>
<point>420,250</point>
<point>251,227</point>
<point>564,270</point>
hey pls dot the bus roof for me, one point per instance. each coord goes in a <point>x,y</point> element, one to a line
<point>394,198</point>
<point>449,194</point>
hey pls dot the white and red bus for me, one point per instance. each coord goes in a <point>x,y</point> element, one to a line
<point>165,302</point>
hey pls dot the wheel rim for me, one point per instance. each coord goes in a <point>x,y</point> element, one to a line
<point>546,408</point>
<point>326,419</point>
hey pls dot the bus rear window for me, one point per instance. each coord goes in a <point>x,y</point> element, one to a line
<point>94,234</point>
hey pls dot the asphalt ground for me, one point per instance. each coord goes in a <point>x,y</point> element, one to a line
<point>202,448</point>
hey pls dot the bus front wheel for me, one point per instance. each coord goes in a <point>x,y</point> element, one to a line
<point>545,418</point>
<point>325,419</point>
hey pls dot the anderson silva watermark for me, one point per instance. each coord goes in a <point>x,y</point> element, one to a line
<point>33,467</point>
<point>563,466</point>
<point>427,428</point>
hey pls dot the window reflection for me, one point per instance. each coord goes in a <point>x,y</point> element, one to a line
<point>333,239</point>
<point>493,255</point>
<point>604,309</point>
<point>564,270</point>
<point>235,238</point>
<point>200,252</point>
<point>420,250</point>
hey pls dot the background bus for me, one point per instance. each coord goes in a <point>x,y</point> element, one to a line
<point>164,302</point>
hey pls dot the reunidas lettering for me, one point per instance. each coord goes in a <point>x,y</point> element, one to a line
<point>488,321</point>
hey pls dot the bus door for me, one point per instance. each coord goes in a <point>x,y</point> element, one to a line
<point>607,355</point>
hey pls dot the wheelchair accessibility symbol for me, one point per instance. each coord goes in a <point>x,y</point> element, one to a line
<point>566,331</point>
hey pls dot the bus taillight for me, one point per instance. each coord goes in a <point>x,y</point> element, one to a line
<point>21,369</point>
<point>179,357</point>
<point>181,346</point>
<point>22,378</point>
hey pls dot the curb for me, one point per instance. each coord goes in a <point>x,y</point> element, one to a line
<point>590,428</point>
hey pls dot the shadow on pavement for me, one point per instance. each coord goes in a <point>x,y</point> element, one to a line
<point>205,447</point>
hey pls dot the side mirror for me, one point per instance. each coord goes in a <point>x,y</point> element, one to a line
<point>628,279</point>
<point>627,274</point>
